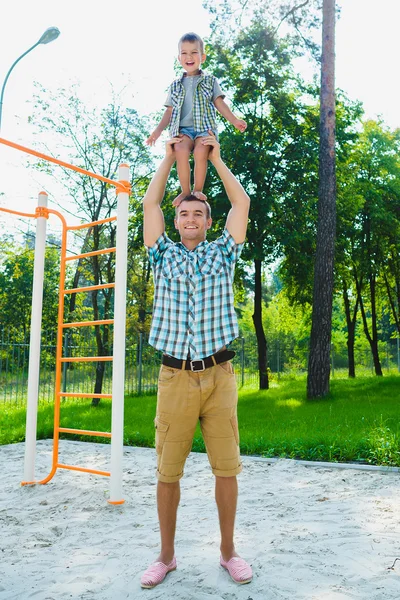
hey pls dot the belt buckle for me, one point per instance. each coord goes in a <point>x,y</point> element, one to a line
<point>193,368</point>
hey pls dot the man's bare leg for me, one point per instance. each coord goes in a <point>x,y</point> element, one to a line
<point>182,151</point>
<point>200,154</point>
<point>226,494</point>
<point>168,496</point>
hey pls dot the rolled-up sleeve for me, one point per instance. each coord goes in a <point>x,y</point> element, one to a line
<point>229,248</point>
<point>217,92</point>
<point>168,101</point>
<point>156,252</point>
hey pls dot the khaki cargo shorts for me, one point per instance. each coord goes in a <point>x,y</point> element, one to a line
<point>184,398</point>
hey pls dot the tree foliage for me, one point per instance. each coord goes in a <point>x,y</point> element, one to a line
<point>97,141</point>
<point>16,280</point>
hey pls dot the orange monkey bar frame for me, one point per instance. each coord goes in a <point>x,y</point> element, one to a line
<point>41,214</point>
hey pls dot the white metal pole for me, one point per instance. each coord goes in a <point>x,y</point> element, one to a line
<point>34,346</point>
<point>118,375</point>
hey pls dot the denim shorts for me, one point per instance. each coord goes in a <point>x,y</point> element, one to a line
<point>190,132</point>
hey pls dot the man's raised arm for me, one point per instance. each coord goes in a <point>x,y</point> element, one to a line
<point>236,223</point>
<point>153,218</point>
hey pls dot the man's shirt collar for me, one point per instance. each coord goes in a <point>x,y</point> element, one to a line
<point>198,248</point>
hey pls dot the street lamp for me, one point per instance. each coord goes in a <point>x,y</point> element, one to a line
<point>48,36</point>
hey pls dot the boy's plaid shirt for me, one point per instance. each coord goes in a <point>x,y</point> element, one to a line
<point>193,300</point>
<point>203,107</point>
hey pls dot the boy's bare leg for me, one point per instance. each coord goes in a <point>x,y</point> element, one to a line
<point>182,151</point>
<point>200,154</point>
<point>226,494</point>
<point>168,496</point>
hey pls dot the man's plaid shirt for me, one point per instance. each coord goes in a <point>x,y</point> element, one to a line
<point>193,310</point>
<point>203,107</point>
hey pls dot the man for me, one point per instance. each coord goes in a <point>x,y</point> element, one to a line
<point>193,321</point>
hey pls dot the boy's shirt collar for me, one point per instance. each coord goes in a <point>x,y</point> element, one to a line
<point>201,72</point>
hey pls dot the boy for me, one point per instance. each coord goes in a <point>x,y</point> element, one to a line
<point>191,103</point>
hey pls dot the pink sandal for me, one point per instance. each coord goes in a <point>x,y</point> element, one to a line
<point>238,569</point>
<point>156,573</point>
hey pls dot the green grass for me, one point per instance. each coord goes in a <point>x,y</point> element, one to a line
<point>358,422</point>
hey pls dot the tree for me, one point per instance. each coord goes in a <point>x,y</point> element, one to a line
<point>375,239</point>
<point>300,17</point>
<point>16,280</point>
<point>98,141</point>
<point>349,203</point>
<point>321,327</point>
<point>256,67</point>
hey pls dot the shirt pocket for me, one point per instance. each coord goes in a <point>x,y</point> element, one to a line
<point>176,97</point>
<point>212,264</point>
<point>206,88</point>
<point>173,268</point>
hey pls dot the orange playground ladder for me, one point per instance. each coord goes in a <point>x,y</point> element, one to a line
<point>42,213</point>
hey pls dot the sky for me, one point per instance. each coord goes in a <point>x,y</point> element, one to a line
<point>102,44</point>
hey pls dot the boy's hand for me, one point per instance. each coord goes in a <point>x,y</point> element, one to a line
<point>212,141</point>
<point>151,140</point>
<point>240,124</point>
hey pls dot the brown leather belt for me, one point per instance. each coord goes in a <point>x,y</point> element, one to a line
<point>198,365</point>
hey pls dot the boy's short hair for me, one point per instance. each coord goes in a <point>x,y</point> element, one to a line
<point>191,198</point>
<point>191,37</point>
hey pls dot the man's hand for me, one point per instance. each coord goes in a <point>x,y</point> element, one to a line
<point>240,124</point>
<point>212,141</point>
<point>170,146</point>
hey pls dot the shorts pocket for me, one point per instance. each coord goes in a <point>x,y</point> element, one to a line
<point>161,434</point>
<point>227,367</point>
<point>235,427</point>
<point>167,374</point>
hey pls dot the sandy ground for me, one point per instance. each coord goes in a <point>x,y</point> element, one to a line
<point>309,532</point>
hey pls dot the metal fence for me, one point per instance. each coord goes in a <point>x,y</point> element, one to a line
<point>141,368</point>
<point>143,363</point>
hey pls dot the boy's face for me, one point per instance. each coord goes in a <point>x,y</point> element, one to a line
<point>190,57</point>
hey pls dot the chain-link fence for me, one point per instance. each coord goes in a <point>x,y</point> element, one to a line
<point>143,363</point>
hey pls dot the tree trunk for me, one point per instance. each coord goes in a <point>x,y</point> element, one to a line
<point>372,339</point>
<point>351,328</point>
<point>98,386</point>
<point>100,366</point>
<point>321,328</point>
<point>374,319</point>
<point>258,326</point>
<point>102,338</point>
<point>396,313</point>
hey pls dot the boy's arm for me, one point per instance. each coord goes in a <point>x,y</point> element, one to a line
<point>151,140</point>
<point>236,222</point>
<point>153,218</point>
<point>226,112</point>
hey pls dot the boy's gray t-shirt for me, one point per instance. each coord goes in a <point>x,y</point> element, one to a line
<point>189,83</point>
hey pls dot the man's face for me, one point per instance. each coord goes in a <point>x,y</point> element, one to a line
<point>190,57</point>
<point>192,222</point>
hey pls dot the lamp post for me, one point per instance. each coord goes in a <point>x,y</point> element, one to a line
<point>48,36</point>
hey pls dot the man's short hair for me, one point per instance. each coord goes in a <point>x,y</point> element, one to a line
<point>191,198</point>
<point>191,37</point>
